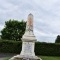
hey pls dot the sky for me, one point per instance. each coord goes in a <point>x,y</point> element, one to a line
<point>46,16</point>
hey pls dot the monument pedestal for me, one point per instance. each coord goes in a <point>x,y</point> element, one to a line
<point>18,57</point>
<point>27,53</point>
<point>28,43</point>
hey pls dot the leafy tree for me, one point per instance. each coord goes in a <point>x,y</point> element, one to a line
<point>13,30</point>
<point>57,39</point>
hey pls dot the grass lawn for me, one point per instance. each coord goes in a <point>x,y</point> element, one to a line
<point>7,58</point>
<point>50,58</point>
<point>45,58</point>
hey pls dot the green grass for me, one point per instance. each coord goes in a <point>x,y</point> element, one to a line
<point>7,58</point>
<point>45,58</point>
<point>50,58</point>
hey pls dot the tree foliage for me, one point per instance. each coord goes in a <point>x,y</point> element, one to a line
<point>57,39</point>
<point>13,30</point>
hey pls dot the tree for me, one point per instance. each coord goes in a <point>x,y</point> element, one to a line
<point>13,30</point>
<point>57,39</point>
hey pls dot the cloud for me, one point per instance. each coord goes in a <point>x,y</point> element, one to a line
<point>1,27</point>
<point>46,16</point>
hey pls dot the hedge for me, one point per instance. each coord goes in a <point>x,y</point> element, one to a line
<point>47,49</point>
<point>10,46</point>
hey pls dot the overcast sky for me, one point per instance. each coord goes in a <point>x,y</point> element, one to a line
<point>46,16</point>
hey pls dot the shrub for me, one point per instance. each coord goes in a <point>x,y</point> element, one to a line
<point>57,39</point>
<point>10,46</point>
<point>47,49</point>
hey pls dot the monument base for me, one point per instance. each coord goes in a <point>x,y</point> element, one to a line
<point>19,57</point>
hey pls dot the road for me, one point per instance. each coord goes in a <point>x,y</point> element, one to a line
<point>4,55</point>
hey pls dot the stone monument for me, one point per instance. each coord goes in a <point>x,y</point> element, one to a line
<point>28,43</point>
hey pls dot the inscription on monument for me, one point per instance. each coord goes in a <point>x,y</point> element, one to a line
<point>28,47</point>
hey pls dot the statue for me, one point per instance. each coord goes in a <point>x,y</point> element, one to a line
<point>29,25</point>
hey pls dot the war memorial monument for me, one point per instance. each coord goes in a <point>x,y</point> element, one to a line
<point>28,43</point>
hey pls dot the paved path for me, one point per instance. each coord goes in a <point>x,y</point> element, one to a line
<point>4,55</point>
<point>1,58</point>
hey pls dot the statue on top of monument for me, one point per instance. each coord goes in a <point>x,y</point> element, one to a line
<point>29,25</point>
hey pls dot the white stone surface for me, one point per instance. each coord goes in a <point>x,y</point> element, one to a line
<point>28,49</point>
<point>18,57</point>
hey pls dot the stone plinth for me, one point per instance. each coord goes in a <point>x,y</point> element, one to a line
<point>18,57</point>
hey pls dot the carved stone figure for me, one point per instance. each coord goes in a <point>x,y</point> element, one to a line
<point>29,25</point>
